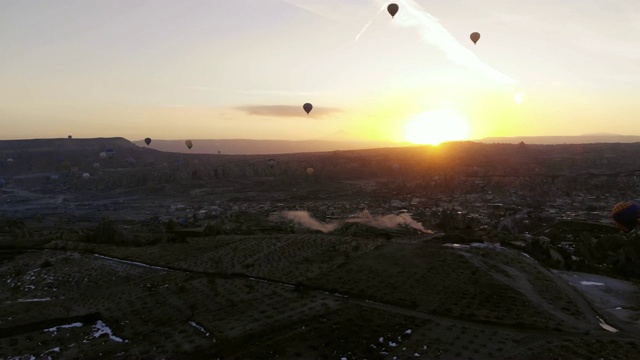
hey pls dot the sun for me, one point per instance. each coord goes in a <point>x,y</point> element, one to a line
<point>435,127</point>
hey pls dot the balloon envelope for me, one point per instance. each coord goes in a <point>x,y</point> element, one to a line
<point>310,171</point>
<point>307,107</point>
<point>475,37</point>
<point>271,162</point>
<point>392,9</point>
<point>96,165</point>
<point>86,176</point>
<point>103,155</point>
<point>625,214</point>
<point>147,141</point>
<point>189,144</point>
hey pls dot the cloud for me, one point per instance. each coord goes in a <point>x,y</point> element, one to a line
<point>413,15</point>
<point>277,92</point>
<point>286,110</point>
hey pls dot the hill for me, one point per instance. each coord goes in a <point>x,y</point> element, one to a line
<point>251,147</point>
<point>581,139</point>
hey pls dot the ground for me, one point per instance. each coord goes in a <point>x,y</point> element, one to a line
<point>308,296</point>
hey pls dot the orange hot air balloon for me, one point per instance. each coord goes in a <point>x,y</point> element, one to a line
<point>392,9</point>
<point>310,171</point>
<point>626,214</point>
<point>307,107</point>
<point>475,37</point>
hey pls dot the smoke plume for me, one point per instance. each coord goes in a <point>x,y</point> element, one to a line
<point>303,218</point>
<point>382,222</point>
<point>388,221</point>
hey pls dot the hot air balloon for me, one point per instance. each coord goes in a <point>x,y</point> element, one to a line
<point>110,153</point>
<point>309,171</point>
<point>475,37</point>
<point>96,165</point>
<point>392,9</point>
<point>307,107</point>
<point>9,161</point>
<point>86,176</point>
<point>147,141</point>
<point>69,137</point>
<point>626,214</point>
<point>103,155</point>
<point>271,162</point>
<point>189,144</point>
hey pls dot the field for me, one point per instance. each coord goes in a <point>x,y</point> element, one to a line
<point>295,296</point>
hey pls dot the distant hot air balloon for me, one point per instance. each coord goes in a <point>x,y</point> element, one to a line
<point>9,161</point>
<point>103,155</point>
<point>475,37</point>
<point>392,9</point>
<point>66,166</point>
<point>189,144</point>
<point>96,165</point>
<point>626,214</point>
<point>309,171</point>
<point>69,137</point>
<point>86,176</point>
<point>147,141</point>
<point>271,162</point>
<point>110,153</point>
<point>307,107</point>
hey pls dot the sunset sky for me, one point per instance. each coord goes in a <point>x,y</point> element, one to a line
<point>229,69</point>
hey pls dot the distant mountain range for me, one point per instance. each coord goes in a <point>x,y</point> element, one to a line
<point>256,147</point>
<point>263,147</point>
<point>548,140</point>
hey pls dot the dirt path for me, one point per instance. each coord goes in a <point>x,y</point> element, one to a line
<point>520,281</point>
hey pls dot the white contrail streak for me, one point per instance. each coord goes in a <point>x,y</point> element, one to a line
<point>369,23</point>
<point>413,15</point>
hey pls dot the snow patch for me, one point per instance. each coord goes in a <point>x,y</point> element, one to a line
<point>205,332</point>
<point>29,300</point>
<point>132,263</point>
<point>55,328</point>
<point>101,328</point>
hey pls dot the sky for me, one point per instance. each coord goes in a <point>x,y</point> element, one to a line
<point>214,69</point>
